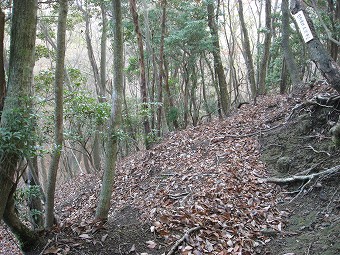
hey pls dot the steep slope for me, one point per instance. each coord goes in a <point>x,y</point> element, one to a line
<point>206,179</point>
<point>199,191</point>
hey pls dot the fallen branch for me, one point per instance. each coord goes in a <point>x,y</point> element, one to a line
<point>183,238</point>
<point>45,247</point>
<point>295,178</point>
<point>310,147</point>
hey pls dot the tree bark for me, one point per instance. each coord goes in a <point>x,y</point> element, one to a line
<point>169,94</point>
<point>223,88</point>
<point>28,239</point>
<point>17,108</point>
<point>318,54</point>
<point>58,88</point>
<point>266,45</point>
<point>247,54</point>
<point>115,119</point>
<point>143,88</point>
<point>2,67</point>
<point>161,70</point>
<point>287,52</point>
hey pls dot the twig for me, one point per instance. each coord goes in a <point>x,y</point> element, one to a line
<point>301,190</point>
<point>178,195</point>
<point>183,238</point>
<point>308,250</point>
<point>316,151</point>
<point>331,199</point>
<point>45,247</point>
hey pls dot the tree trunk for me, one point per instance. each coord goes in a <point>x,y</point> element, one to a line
<point>194,109</point>
<point>283,77</point>
<point>143,88</point>
<point>97,148</point>
<point>115,119</point>
<point>266,45</point>
<point>58,139</point>
<point>318,54</point>
<point>335,20</point>
<point>34,202</point>
<point>28,239</point>
<point>247,54</point>
<point>186,94</point>
<point>204,93</point>
<point>223,88</point>
<point>287,52</point>
<point>15,115</point>
<point>169,95</point>
<point>161,70</point>
<point>2,67</point>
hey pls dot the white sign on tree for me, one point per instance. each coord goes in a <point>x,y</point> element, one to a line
<point>303,26</point>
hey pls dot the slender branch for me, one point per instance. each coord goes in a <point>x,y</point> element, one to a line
<point>183,238</point>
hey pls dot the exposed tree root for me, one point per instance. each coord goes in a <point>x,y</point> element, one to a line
<point>180,241</point>
<point>295,178</point>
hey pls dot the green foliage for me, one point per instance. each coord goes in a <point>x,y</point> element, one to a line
<point>188,30</point>
<point>133,66</point>
<point>41,51</point>
<point>84,113</point>
<point>173,114</point>
<point>19,136</point>
<point>44,81</point>
<point>28,192</point>
<point>22,196</point>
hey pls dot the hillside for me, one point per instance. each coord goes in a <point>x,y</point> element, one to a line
<point>203,191</point>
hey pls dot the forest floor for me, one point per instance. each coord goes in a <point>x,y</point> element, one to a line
<point>203,190</point>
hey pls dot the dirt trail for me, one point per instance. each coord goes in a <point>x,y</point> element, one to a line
<point>210,179</point>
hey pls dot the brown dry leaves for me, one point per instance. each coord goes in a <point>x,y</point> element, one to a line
<point>188,181</point>
<point>191,179</point>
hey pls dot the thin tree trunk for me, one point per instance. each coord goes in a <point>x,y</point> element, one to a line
<point>283,79</point>
<point>206,105</point>
<point>2,67</point>
<point>186,94</point>
<point>266,45</point>
<point>143,88</point>
<point>115,119</point>
<point>58,139</point>
<point>193,99</point>
<point>34,202</point>
<point>161,70</point>
<point>223,88</point>
<point>247,55</point>
<point>287,52</point>
<point>169,95</point>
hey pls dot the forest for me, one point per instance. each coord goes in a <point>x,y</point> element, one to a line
<point>169,127</point>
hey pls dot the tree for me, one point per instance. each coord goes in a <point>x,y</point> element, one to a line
<point>143,88</point>
<point>58,87</point>
<point>16,127</point>
<point>115,119</point>
<point>2,68</point>
<point>161,70</point>
<point>247,54</point>
<point>224,94</point>
<point>266,45</point>
<point>318,54</point>
<point>290,63</point>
